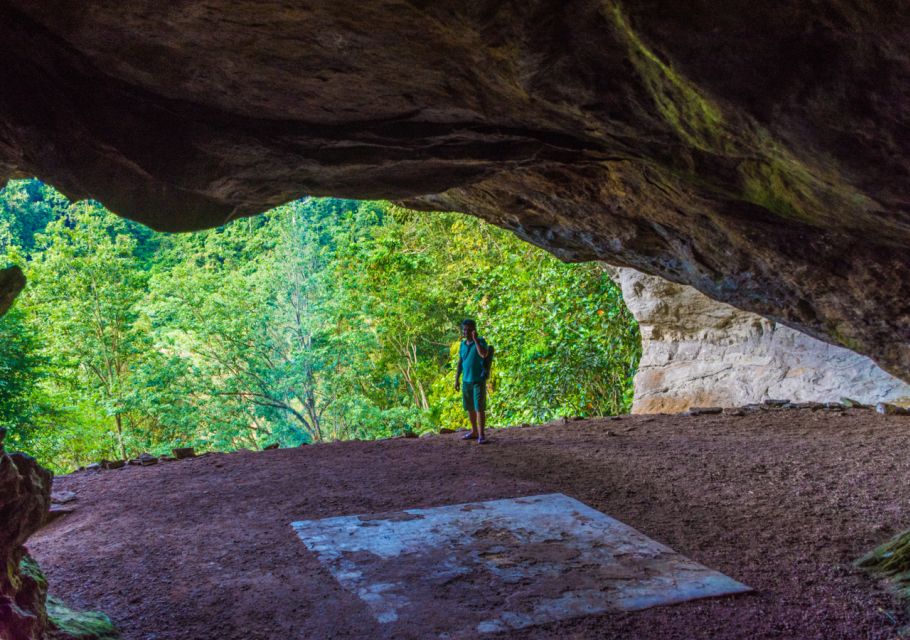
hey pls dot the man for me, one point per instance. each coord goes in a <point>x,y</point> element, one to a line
<point>473,379</point>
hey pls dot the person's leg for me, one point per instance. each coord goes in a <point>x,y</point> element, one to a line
<point>467,400</point>
<point>480,402</point>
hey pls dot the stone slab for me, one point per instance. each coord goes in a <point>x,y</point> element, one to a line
<point>456,571</point>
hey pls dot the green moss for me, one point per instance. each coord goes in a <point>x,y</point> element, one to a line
<point>770,176</point>
<point>780,186</point>
<point>83,625</point>
<point>891,560</point>
<point>691,115</point>
<point>28,567</point>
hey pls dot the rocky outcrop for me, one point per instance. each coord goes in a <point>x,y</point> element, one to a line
<point>758,152</point>
<point>12,280</point>
<point>698,352</point>
<point>26,610</point>
<point>25,489</point>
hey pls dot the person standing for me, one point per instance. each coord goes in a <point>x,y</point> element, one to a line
<point>473,376</point>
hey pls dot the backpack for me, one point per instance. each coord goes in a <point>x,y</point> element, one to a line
<point>488,362</point>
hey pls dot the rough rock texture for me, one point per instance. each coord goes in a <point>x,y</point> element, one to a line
<point>699,352</point>
<point>12,280</point>
<point>756,151</point>
<point>26,610</point>
<point>25,497</point>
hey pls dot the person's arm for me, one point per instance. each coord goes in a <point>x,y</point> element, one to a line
<point>458,373</point>
<point>481,348</point>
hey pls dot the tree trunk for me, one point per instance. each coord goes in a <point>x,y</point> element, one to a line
<point>119,421</point>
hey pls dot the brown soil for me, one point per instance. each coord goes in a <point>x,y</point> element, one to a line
<point>781,500</point>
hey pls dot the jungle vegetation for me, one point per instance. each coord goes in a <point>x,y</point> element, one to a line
<point>321,319</point>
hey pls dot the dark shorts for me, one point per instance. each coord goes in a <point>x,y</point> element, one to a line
<point>474,396</point>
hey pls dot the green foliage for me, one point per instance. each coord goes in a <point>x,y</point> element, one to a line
<point>21,370</point>
<point>322,319</point>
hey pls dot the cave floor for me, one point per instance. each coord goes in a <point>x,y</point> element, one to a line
<point>783,501</point>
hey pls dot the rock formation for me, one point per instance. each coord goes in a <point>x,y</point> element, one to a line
<point>25,497</point>
<point>699,352</point>
<point>758,152</point>
<point>12,281</point>
<point>26,610</point>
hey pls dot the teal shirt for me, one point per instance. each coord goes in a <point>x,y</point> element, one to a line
<point>471,362</point>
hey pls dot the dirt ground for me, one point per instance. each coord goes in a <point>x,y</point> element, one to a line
<point>783,501</point>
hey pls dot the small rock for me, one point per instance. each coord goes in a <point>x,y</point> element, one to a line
<point>577,418</point>
<point>63,497</point>
<point>771,402</point>
<point>56,511</point>
<point>525,425</point>
<point>410,434</point>
<point>446,430</point>
<point>805,405</point>
<point>93,467</point>
<point>427,434</point>
<point>270,447</point>
<point>615,417</point>
<point>734,411</point>
<point>891,409</point>
<point>850,403</point>
<point>113,464</point>
<point>134,461</point>
<point>147,459</point>
<point>166,458</point>
<point>181,453</point>
<point>704,411</point>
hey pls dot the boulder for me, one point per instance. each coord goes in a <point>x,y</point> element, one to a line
<point>25,498</point>
<point>696,351</point>
<point>12,280</point>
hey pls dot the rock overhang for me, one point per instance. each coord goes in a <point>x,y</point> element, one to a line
<point>759,153</point>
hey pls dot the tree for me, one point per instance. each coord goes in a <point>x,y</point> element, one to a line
<point>85,283</point>
<point>21,371</point>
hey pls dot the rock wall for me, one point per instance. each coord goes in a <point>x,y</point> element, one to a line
<point>25,497</point>
<point>699,352</point>
<point>12,280</point>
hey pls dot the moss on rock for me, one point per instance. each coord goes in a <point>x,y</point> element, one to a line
<point>891,560</point>
<point>66,624</point>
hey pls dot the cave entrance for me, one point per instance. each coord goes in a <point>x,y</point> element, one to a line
<point>320,320</point>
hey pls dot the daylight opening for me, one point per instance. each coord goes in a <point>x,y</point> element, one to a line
<point>320,320</point>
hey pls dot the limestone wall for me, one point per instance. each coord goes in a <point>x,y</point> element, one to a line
<point>699,352</point>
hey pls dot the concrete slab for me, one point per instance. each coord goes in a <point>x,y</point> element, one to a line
<point>456,571</point>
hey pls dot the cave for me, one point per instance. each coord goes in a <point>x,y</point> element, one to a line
<point>740,169</point>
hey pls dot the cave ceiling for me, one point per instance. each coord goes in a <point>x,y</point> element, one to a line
<point>757,151</point>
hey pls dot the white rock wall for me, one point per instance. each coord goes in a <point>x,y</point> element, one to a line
<point>699,352</point>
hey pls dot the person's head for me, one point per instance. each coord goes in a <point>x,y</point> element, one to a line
<point>467,326</point>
